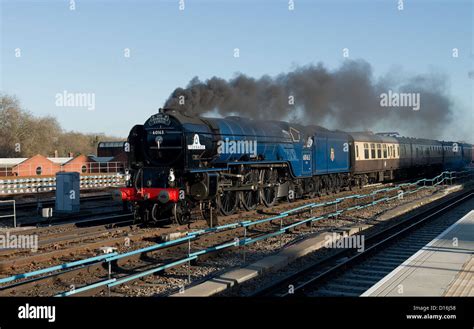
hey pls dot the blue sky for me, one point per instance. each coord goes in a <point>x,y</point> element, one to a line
<point>83,50</point>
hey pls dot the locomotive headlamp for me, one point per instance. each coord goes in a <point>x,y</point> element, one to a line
<point>158,141</point>
<point>309,142</point>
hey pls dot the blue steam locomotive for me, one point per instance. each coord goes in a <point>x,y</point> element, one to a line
<point>179,162</point>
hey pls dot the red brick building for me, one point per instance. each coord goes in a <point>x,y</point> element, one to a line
<point>40,165</point>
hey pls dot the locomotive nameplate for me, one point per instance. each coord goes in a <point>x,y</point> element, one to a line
<point>159,119</point>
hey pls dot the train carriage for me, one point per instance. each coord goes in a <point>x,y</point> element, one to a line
<point>454,155</point>
<point>420,156</point>
<point>376,157</point>
<point>178,162</point>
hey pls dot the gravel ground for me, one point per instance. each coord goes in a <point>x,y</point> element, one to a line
<point>174,278</point>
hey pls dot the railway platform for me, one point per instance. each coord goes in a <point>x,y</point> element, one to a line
<point>444,267</point>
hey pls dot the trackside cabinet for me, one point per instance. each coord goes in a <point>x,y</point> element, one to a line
<point>67,192</point>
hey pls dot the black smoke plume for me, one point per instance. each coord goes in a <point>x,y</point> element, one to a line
<point>348,98</point>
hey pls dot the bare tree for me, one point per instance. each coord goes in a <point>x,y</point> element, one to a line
<point>23,135</point>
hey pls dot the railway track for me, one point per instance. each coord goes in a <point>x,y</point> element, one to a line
<point>50,202</point>
<point>62,231</point>
<point>348,272</point>
<point>95,208</point>
<point>144,261</point>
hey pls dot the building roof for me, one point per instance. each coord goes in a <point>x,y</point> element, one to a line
<point>100,159</point>
<point>111,144</point>
<point>11,162</point>
<point>60,160</point>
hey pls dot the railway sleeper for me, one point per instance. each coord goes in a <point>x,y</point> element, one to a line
<point>359,282</point>
<point>329,293</point>
<point>342,288</point>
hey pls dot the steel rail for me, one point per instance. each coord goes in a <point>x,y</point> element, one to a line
<point>346,258</point>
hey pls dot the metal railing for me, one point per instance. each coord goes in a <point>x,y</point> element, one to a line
<point>13,202</point>
<point>443,178</point>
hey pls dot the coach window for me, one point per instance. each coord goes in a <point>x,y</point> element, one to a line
<point>366,151</point>
<point>398,150</point>
<point>357,151</point>
<point>379,151</point>
<point>384,151</point>
<point>372,151</point>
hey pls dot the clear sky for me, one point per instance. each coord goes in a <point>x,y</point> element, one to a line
<point>82,50</point>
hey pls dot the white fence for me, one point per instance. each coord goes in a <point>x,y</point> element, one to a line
<point>50,169</point>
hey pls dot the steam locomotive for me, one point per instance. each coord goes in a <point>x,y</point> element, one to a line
<point>179,162</point>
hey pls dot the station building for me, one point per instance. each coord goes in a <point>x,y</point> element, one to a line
<point>40,165</point>
<point>112,149</point>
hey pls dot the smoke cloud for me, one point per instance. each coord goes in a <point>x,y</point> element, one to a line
<point>347,98</point>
